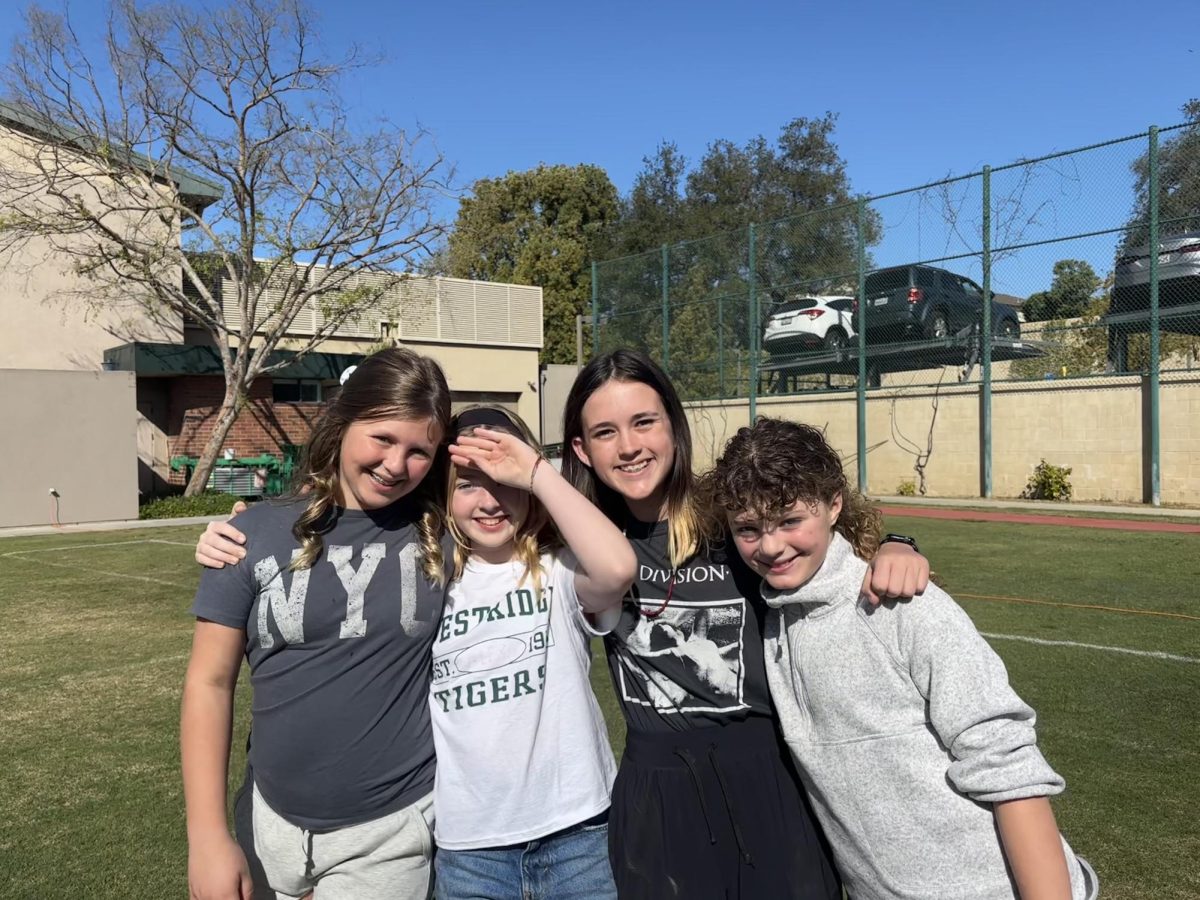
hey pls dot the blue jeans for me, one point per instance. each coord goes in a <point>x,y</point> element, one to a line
<point>569,865</point>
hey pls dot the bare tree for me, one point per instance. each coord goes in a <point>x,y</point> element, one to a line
<point>919,454</point>
<point>202,166</point>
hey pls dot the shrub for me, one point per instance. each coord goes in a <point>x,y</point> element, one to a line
<point>1048,482</point>
<point>210,503</point>
<point>907,488</point>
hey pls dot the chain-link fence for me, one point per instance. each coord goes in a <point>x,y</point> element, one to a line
<point>883,300</point>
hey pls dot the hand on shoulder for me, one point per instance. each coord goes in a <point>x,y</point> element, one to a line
<point>222,543</point>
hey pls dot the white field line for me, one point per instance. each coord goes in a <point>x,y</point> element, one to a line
<point>19,554</point>
<point>91,546</point>
<point>91,571</point>
<point>1153,654</point>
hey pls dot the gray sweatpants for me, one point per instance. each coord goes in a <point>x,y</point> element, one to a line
<point>390,857</point>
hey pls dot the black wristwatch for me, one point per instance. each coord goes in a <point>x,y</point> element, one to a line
<point>900,539</point>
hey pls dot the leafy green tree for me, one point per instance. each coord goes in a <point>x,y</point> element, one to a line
<point>653,213</point>
<point>540,227</point>
<point>795,189</point>
<point>1073,289</point>
<point>1178,180</point>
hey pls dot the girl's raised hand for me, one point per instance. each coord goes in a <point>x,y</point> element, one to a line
<point>504,458</point>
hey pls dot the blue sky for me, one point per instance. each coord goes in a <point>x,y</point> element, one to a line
<point>922,90</point>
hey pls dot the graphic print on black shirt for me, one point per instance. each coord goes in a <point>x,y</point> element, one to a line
<point>707,640</point>
<point>699,662</point>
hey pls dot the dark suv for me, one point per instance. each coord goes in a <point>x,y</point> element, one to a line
<point>930,302</point>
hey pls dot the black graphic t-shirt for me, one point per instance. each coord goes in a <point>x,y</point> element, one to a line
<point>699,662</point>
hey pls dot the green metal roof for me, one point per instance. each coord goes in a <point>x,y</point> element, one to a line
<point>167,360</point>
<point>189,184</point>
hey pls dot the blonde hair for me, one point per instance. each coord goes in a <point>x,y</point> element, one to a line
<point>536,534</point>
<point>392,384</point>
<point>771,465</point>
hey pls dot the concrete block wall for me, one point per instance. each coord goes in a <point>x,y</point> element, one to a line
<point>1099,429</point>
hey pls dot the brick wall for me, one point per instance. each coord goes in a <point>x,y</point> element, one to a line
<point>261,428</point>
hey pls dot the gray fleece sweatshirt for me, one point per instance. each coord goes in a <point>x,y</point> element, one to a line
<point>905,730</point>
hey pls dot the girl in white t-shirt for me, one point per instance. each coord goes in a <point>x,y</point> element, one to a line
<point>524,770</point>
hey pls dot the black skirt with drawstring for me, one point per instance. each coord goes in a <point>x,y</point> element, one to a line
<point>715,813</point>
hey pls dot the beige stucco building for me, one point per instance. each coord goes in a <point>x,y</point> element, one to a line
<point>486,336</point>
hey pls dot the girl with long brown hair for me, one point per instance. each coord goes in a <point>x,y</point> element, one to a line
<point>335,610</point>
<point>706,801</point>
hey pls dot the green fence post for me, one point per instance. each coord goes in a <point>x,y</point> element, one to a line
<point>721,346</point>
<point>985,412</point>
<point>595,312</point>
<point>752,337</point>
<point>861,327</point>
<point>1155,448</point>
<point>666,311</point>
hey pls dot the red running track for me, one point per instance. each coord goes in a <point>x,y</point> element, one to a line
<point>982,515</point>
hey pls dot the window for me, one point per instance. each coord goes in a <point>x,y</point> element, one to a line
<point>388,329</point>
<point>970,288</point>
<point>845,305</point>
<point>887,280</point>
<point>288,391</point>
<point>792,306</point>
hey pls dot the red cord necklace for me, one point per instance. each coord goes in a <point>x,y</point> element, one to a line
<point>670,590</point>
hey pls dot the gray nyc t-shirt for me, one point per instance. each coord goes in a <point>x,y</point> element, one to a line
<point>339,659</point>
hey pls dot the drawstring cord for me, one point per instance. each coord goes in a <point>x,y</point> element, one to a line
<point>309,865</point>
<point>737,829</point>
<point>690,762</point>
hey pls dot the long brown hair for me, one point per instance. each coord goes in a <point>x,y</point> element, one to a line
<point>770,465</point>
<point>392,384</point>
<point>536,534</point>
<point>687,526</point>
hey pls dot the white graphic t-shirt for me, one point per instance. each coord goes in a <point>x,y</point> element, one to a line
<point>522,749</point>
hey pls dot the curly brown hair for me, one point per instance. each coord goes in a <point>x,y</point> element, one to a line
<point>769,466</point>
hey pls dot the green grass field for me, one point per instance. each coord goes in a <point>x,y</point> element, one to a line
<point>94,636</point>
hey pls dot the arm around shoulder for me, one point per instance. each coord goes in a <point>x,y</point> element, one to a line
<point>221,543</point>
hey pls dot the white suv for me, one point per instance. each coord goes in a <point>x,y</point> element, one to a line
<point>809,323</point>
